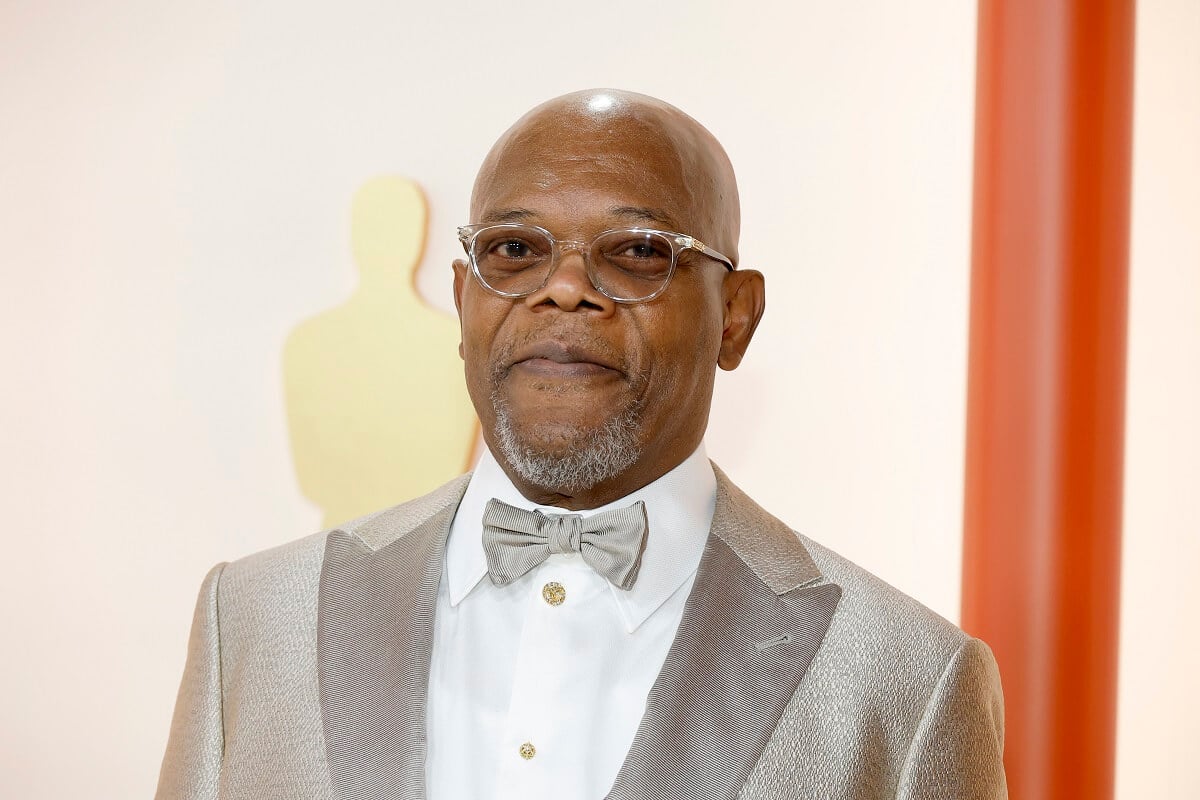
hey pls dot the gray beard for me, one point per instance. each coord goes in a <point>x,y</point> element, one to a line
<point>585,457</point>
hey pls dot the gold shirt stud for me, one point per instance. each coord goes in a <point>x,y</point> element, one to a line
<point>554,593</point>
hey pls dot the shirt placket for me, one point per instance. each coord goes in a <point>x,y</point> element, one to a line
<point>540,748</point>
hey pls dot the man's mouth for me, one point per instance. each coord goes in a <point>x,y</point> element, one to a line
<point>554,359</point>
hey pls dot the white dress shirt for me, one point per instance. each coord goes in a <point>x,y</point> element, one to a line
<point>528,699</point>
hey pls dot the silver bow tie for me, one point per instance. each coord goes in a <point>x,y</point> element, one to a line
<point>515,541</point>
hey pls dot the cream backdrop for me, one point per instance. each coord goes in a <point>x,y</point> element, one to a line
<point>176,182</point>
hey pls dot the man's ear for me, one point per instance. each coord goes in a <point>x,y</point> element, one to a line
<point>460,280</point>
<point>745,301</point>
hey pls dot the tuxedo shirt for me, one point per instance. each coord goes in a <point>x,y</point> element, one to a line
<point>565,684</point>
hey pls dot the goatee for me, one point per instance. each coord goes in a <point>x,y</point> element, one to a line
<point>570,460</point>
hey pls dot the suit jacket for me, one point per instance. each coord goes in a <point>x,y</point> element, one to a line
<point>794,674</point>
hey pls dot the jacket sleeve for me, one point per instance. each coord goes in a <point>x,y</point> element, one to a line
<point>191,768</point>
<point>958,750</point>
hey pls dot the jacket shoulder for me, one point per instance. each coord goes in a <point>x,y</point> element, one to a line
<point>883,615</point>
<point>875,611</point>
<point>287,577</point>
<point>377,529</point>
<point>384,527</point>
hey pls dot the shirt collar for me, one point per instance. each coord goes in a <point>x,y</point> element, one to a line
<point>679,508</point>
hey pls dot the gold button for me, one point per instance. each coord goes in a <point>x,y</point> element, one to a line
<point>528,751</point>
<point>554,593</point>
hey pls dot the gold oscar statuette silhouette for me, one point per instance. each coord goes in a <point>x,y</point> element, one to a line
<point>377,408</point>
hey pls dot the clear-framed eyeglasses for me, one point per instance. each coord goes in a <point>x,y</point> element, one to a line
<point>632,265</point>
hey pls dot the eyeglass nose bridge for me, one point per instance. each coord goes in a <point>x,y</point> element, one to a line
<point>558,249</point>
<point>560,246</point>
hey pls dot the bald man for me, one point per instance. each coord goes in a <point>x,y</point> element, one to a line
<point>595,611</point>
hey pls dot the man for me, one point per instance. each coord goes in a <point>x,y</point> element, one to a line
<point>671,639</point>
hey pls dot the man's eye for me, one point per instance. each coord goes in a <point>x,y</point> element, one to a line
<point>640,250</point>
<point>513,248</point>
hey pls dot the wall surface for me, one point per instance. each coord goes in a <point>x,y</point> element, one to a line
<point>176,185</point>
<point>1158,717</point>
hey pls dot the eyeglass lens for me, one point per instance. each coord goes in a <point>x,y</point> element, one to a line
<point>626,265</point>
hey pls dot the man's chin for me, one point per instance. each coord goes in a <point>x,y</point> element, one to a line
<point>554,439</point>
<point>568,456</point>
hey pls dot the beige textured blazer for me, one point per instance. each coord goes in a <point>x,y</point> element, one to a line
<point>794,674</point>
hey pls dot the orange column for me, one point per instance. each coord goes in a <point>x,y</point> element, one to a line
<point>1046,387</point>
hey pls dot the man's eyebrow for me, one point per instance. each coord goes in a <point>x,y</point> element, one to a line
<point>508,215</point>
<point>635,214</point>
<point>657,216</point>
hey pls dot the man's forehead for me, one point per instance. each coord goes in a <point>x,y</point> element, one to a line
<point>539,191</point>
<point>656,164</point>
<point>552,149</point>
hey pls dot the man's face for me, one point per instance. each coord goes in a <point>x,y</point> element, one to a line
<point>566,374</point>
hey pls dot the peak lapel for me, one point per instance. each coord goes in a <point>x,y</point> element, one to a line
<point>374,640</point>
<point>755,619</point>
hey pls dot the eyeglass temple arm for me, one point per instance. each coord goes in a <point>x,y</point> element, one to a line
<point>696,244</point>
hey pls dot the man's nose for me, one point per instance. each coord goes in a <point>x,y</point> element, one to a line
<point>569,288</point>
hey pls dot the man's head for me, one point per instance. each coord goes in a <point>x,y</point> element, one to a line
<point>584,399</point>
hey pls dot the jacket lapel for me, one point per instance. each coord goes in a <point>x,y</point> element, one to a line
<point>756,617</point>
<point>378,593</point>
